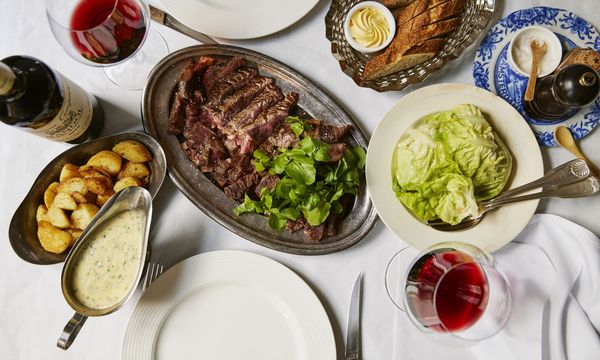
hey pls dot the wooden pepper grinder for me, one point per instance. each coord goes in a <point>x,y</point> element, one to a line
<point>573,87</point>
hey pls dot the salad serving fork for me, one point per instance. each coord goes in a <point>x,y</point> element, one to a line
<point>569,180</point>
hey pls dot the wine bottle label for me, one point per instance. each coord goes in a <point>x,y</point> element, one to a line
<point>74,116</point>
<point>7,78</point>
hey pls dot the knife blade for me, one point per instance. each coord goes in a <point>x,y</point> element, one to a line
<point>167,20</point>
<point>353,332</point>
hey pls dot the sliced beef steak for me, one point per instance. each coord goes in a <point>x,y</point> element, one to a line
<point>243,97</point>
<point>266,123</point>
<point>188,87</point>
<point>269,97</point>
<point>267,182</point>
<point>214,73</point>
<point>326,132</point>
<point>241,186</point>
<point>177,116</point>
<point>229,84</point>
<point>202,145</point>
<point>336,151</point>
<point>283,138</point>
<point>311,233</point>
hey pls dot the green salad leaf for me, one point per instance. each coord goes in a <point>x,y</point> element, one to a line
<point>447,162</point>
<point>310,184</point>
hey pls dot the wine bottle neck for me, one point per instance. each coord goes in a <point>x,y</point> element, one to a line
<point>7,79</point>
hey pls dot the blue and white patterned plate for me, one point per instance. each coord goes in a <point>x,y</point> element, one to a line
<point>492,72</point>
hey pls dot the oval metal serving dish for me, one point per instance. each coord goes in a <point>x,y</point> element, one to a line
<point>209,197</point>
<point>474,20</point>
<point>23,227</point>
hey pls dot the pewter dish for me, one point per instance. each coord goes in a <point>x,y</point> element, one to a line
<point>208,197</point>
<point>474,20</point>
<point>22,232</point>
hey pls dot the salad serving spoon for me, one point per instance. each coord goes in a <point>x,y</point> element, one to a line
<point>569,180</point>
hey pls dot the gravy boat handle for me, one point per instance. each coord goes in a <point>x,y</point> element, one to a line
<point>71,330</point>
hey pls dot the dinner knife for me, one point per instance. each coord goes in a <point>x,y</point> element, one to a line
<point>353,333</point>
<point>167,20</point>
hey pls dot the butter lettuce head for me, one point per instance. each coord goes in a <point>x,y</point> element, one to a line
<point>447,162</point>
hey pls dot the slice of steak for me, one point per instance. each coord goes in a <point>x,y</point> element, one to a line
<point>243,97</point>
<point>336,151</point>
<point>326,132</point>
<point>269,97</point>
<point>217,71</point>
<point>314,233</point>
<point>189,84</point>
<point>242,186</point>
<point>241,164</point>
<point>267,182</point>
<point>206,143</point>
<point>299,224</point>
<point>229,84</point>
<point>220,114</point>
<point>219,171</point>
<point>311,233</point>
<point>177,116</point>
<point>284,138</point>
<point>268,121</point>
<point>197,155</point>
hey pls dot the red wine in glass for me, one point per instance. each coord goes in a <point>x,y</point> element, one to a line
<point>447,290</point>
<point>108,31</point>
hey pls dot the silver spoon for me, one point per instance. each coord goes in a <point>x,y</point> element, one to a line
<point>131,198</point>
<point>567,173</point>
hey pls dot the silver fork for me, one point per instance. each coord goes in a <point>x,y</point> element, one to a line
<point>153,271</point>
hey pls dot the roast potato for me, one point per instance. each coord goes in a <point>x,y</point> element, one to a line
<point>64,201</point>
<point>132,151</point>
<point>135,170</point>
<point>40,214</point>
<point>50,194</point>
<point>106,160</point>
<point>69,171</point>
<point>72,185</point>
<point>53,239</point>
<point>82,216</point>
<point>57,217</point>
<point>126,182</point>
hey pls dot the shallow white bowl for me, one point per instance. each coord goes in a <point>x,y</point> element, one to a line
<point>498,227</point>
<point>554,52</point>
<point>388,16</point>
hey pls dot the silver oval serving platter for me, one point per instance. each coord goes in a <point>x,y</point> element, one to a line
<point>314,102</point>
<point>22,231</point>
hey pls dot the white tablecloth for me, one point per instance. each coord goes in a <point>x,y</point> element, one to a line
<point>32,309</point>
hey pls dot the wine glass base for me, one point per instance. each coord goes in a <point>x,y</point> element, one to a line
<point>133,73</point>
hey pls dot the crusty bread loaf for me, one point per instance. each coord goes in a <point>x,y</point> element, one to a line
<point>395,3</point>
<point>415,9</point>
<point>392,59</point>
<point>443,11</point>
<point>396,62</point>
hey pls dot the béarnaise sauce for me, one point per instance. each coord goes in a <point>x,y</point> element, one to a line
<point>106,267</point>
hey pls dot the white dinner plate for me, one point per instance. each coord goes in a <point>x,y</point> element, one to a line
<point>499,227</point>
<point>229,305</point>
<point>238,19</point>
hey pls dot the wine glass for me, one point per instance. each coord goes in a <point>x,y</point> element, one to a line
<point>451,289</point>
<point>106,33</point>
